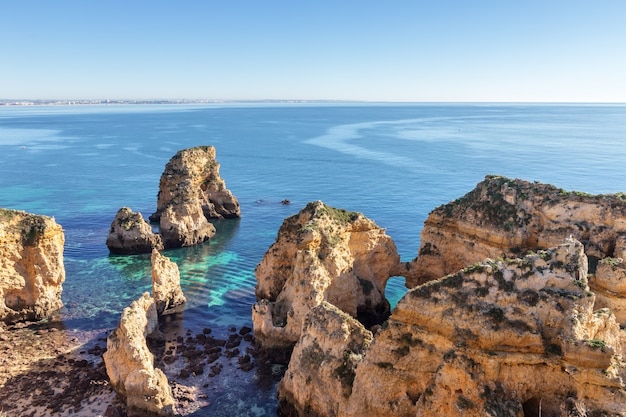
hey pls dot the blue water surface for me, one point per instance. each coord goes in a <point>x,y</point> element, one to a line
<point>394,163</point>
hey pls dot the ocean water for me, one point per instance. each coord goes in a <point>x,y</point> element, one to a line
<point>394,163</point>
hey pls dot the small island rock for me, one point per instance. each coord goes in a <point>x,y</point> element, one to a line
<point>131,234</point>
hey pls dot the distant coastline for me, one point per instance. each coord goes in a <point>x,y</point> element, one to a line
<point>83,102</point>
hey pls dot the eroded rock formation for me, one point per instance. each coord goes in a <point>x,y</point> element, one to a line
<point>505,217</point>
<point>31,266</point>
<point>192,176</point>
<point>166,290</point>
<point>184,224</point>
<point>322,254</point>
<point>131,234</point>
<point>609,285</point>
<point>507,337</point>
<point>130,364</point>
<point>191,193</point>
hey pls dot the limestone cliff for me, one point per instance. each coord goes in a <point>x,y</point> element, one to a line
<point>506,337</point>
<point>324,362</point>
<point>609,284</point>
<point>505,217</point>
<point>131,234</point>
<point>184,224</point>
<point>322,254</point>
<point>130,364</point>
<point>192,176</point>
<point>166,290</point>
<point>31,266</point>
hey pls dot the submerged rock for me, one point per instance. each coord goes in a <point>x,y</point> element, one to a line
<point>31,266</point>
<point>507,337</point>
<point>166,290</point>
<point>130,364</point>
<point>131,234</point>
<point>322,254</point>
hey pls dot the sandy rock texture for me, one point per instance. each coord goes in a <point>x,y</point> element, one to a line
<point>130,364</point>
<point>192,175</point>
<point>322,254</point>
<point>506,217</point>
<point>503,337</point>
<point>131,234</point>
<point>31,266</point>
<point>191,195</point>
<point>166,290</point>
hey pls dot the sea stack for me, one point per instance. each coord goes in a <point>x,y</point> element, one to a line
<point>192,177</point>
<point>131,234</point>
<point>31,266</point>
<point>191,195</point>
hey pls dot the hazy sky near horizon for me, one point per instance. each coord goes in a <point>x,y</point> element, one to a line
<point>397,50</point>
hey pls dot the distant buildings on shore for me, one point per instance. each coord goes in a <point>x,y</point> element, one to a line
<point>7,102</point>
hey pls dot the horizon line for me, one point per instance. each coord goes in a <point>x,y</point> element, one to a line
<point>157,101</point>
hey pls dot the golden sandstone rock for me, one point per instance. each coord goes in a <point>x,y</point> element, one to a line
<point>166,290</point>
<point>503,317</point>
<point>131,234</point>
<point>192,176</point>
<point>31,266</point>
<point>505,217</point>
<point>191,193</point>
<point>130,364</point>
<point>322,254</point>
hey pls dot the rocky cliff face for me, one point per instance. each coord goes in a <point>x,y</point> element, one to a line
<point>130,364</point>
<point>31,266</point>
<point>166,290</point>
<point>504,217</point>
<point>322,254</point>
<point>506,337</point>
<point>191,193</point>
<point>192,176</point>
<point>131,234</point>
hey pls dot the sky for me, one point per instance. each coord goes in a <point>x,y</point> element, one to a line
<point>395,50</point>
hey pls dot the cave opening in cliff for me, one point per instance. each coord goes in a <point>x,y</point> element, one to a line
<point>539,407</point>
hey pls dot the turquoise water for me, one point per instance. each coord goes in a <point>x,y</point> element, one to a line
<point>394,163</point>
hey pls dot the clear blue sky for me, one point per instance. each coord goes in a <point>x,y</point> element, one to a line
<point>396,50</point>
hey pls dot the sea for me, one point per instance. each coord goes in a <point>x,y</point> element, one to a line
<point>392,162</point>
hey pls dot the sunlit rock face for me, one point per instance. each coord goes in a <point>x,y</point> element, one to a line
<point>166,290</point>
<point>191,193</point>
<point>130,364</point>
<point>322,254</point>
<point>31,266</point>
<point>131,234</point>
<point>503,337</point>
<point>505,217</point>
<point>192,176</point>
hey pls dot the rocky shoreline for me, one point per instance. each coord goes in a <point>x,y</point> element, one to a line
<point>47,371</point>
<point>516,304</point>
